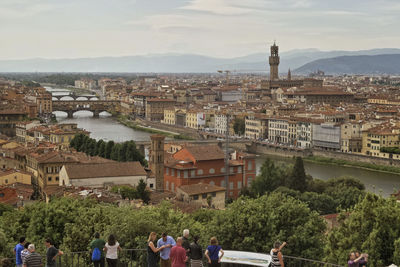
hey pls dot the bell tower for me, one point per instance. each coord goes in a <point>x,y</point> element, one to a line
<point>274,63</point>
<point>157,160</point>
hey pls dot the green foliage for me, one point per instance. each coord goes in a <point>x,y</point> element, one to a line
<point>123,152</point>
<point>5,208</point>
<point>372,227</point>
<point>392,150</point>
<point>239,126</point>
<point>255,224</point>
<point>270,178</point>
<point>325,197</point>
<point>297,180</point>
<point>142,191</point>
<point>130,193</point>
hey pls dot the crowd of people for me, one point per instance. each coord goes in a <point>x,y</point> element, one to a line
<point>166,252</point>
<point>26,255</point>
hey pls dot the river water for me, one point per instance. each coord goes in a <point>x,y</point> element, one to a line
<point>107,128</point>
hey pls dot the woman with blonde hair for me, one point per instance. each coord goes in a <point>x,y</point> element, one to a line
<point>212,253</point>
<point>152,259</point>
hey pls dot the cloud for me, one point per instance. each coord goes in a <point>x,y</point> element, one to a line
<point>218,7</point>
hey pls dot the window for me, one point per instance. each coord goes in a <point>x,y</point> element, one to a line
<point>212,171</point>
<point>222,183</point>
<point>185,174</point>
<point>223,169</point>
<point>49,178</point>
<point>199,172</point>
<point>166,171</point>
<point>249,166</point>
<point>6,181</point>
<point>192,173</point>
<point>212,183</point>
<point>178,174</point>
<point>195,197</point>
<point>57,179</point>
<point>239,185</point>
<point>213,194</point>
<point>172,187</point>
<point>240,169</point>
<point>249,181</point>
<point>231,170</point>
<point>167,185</point>
<point>204,196</point>
<point>231,185</point>
<point>172,172</point>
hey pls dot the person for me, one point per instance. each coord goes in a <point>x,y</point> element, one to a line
<point>152,251</point>
<point>111,249</point>
<point>276,255</point>
<point>195,253</point>
<point>178,254</point>
<point>363,261</point>
<point>168,242</point>
<point>212,253</point>
<point>355,261</point>
<point>33,259</point>
<point>98,243</point>
<point>186,243</point>
<point>51,253</point>
<point>25,252</point>
<point>17,251</point>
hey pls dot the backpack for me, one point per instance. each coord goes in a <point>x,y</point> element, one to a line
<point>96,254</point>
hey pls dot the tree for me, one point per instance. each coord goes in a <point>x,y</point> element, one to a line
<point>142,191</point>
<point>255,224</point>
<point>270,178</point>
<point>102,149</point>
<point>123,152</point>
<point>298,179</point>
<point>109,148</point>
<point>239,126</point>
<point>373,227</point>
<point>115,153</point>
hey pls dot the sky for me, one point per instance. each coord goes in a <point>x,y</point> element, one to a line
<point>220,28</point>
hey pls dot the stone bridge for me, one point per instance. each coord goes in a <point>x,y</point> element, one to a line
<point>95,106</point>
<point>75,97</point>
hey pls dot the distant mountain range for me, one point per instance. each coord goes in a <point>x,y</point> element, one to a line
<point>177,63</point>
<point>378,64</point>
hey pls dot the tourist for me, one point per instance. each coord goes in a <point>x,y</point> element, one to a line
<point>152,258</point>
<point>97,246</point>
<point>17,251</point>
<point>111,249</point>
<point>168,242</point>
<point>33,259</point>
<point>355,261</point>
<point>51,253</point>
<point>212,253</point>
<point>276,255</point>
<point>195,253</point>
<point>178,254</point>
<point>186,243</point>
<point>363,261</point>
<point>25,252</point>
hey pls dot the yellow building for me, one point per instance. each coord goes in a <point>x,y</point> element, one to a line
<point>169,116</point>
<point>12,176</point>
<point>380,137</point>
<point>195,119</point>
<point>256,126</point>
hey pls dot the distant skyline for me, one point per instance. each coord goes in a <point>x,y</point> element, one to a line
<point>218,28</point>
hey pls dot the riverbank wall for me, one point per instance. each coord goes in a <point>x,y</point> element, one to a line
<point>266,149</point>
<point>171,128</point>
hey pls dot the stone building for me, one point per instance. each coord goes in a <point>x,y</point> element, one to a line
<point>204,195</point>
<point>155,108</point>
<point>156,159</point>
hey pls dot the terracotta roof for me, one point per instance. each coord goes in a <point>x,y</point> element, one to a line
<point>111,169</point>
<point>196,189</point>
<point>208,152</point>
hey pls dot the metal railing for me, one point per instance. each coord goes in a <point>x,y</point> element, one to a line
<point>126,258</point>
<point>291,261</point>
<point>138,258</point>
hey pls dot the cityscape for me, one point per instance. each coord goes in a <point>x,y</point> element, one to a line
<point>268,151</point>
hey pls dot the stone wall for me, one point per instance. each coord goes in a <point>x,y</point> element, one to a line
<point>171,128</point>
<point>257,148</point>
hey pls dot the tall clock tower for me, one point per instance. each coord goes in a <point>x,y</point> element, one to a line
<point>274,63</point>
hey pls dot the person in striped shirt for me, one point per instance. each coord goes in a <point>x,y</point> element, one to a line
<point>34,259</point>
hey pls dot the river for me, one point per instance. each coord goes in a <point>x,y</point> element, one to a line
<point>107,128</point>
